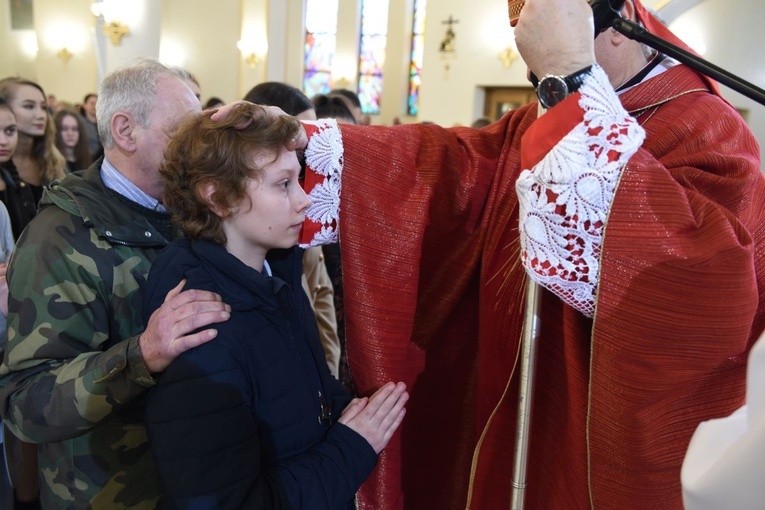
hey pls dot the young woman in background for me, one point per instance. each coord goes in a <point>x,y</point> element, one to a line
<point>36,161</point>
<point>71,140</point>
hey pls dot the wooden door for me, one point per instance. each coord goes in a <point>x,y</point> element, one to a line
<point>500,100</point>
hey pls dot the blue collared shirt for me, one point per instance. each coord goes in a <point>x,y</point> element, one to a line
<point>116,181</point>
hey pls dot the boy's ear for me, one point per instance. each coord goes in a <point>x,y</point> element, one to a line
<point>207,191</point>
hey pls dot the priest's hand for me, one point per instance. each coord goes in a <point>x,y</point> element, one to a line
<point>555,36</point>
<point>300,141</point>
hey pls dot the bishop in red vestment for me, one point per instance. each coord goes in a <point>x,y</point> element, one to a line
<point>644,216</point>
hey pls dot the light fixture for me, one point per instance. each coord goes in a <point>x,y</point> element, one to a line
<point>344,70</point>
<point>342,83</point>
<point>29,47</point>
<point>64,39</point>
<point>252,60</point>
<point>65,55</point>
<point>508,56</point>
<point>252,51</point>
<point>114,29</point>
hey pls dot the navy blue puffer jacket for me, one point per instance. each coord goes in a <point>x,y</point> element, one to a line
<point>248,420</point>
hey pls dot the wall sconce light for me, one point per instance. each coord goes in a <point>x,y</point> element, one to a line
<point>115,30</point>
<point>344,71</point>
<point>252,60</point>
<point>29,47</point>
<point>252,54</point>
<point>341,83</point>
<point>508,56</point>
<point>65,55</point>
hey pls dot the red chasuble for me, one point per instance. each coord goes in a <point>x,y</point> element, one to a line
<point>434,297</point>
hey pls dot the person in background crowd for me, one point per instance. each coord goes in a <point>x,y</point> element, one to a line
<point>338,107</point>
<point>88,112</point>
<point>334,106</point>
<point>6,247</point>
<point>36,161</point>
<point>52,104</point>
<point>71,140</point>
<point>480,122</point>
<point>8,139</point>
<point>355,105</point>
<point>213,102</point>
<point>23,476</point>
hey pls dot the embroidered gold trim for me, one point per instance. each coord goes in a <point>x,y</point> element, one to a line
<point>592,342</point>
<point>477,450</point>
<point>640,110</point>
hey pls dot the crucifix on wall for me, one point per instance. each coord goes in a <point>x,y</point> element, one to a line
<point>447,45</point>
<point>447,48</point>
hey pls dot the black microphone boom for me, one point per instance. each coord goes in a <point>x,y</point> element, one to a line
<point>604,12</point>
<point>637,33</point>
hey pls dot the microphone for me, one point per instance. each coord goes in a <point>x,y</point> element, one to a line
<point>604,12</point>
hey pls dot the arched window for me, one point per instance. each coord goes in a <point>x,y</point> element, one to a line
<point>374,37</point>
<point>321,33</point>
<point>415,66</point>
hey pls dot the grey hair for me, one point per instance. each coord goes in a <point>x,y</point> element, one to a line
<point>131,89</point>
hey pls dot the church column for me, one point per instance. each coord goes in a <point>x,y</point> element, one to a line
<point>256,51</point>
<point>114,46</point>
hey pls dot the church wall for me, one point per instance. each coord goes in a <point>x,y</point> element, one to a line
<point>202,36</point>
<point>732,33</point>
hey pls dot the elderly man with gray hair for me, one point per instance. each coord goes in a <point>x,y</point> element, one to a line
<point>78,360</point>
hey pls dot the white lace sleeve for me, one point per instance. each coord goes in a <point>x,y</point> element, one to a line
<point>324,165</point>
<point>565,198</point>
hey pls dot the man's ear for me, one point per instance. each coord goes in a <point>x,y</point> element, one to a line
<point>206,191</point>
<point>627,12</point>
<point>123,127</point>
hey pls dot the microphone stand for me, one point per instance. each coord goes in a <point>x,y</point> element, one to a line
<point>637,33</point>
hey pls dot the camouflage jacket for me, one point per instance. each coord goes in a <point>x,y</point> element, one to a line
<point>72,377</point>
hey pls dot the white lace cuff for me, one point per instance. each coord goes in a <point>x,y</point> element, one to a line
<point>565,198</point>
<point>324,165</point>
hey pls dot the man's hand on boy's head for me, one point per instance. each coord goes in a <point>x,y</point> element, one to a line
<point>299,142</point>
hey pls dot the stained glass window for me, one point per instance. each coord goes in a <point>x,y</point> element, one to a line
<point>418,47</point>
<point>374,37</point>
<point>321,31</point>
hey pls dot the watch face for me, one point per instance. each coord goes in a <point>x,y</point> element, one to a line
<point>551,91</point>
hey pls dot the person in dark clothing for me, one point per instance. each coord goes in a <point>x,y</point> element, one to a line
<point>21,206</point>
<point>253,419</point>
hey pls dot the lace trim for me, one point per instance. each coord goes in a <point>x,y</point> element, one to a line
<point>565,199</point>
<point>324,158</point>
